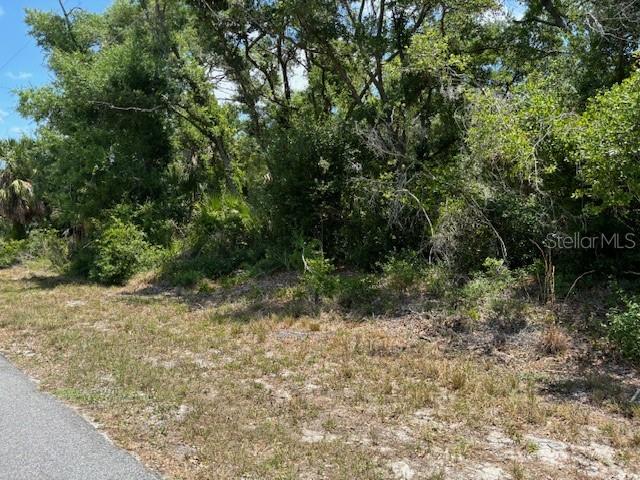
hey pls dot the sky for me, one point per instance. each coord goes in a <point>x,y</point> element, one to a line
<point>22,63</point>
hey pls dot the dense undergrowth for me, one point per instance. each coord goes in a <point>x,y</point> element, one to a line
<point>506,299</point>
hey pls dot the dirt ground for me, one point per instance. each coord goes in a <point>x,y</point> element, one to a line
<point>236,383</point>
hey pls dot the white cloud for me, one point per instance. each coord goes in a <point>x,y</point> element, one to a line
<point>1,11</point>
<point>3,115</point>
<point>19,76</point>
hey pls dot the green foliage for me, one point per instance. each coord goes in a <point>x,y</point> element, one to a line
<point>519,135</point>
<point>450,130</point>
<point>464,237</point>
<point>106,136</point>
<point>222,236</point>
<point>225,223</point>
<point>46,244</point>
<point>508,314</point>
<point>312,164</point>
<point>222,233</point>
<point>624,328</point>
<point>119,251</point>
<point>41,245</point>
<point>439,280</point>
<point>363,294</point>
<point>318,279</point>
<point>187,274</point>
<point>402,272</point>
<point>608,146</point>
<point>431,55</point>
<point>19,203</point>
<point>489,284</point>
<point>10,251</point>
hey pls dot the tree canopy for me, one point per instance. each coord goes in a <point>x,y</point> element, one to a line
<point>455,129</point>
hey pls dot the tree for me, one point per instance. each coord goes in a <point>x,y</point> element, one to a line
<point>365,124</point>
<point>129,117</point>
<point>19,204</point>
<point>608,149</point>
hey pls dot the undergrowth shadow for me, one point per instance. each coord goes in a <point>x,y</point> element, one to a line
<point>44,282</point>
<point>596,387</point>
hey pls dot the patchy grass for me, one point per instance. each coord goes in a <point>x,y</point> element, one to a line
<point>240,381</point>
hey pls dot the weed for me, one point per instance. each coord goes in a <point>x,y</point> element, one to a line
<point>518,471</point>
<point>531,447</point>
<point>624,328</point>
<point>554,341</point>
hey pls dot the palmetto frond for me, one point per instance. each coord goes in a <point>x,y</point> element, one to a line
<point>18,202</point>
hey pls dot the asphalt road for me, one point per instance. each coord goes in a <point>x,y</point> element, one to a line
<point>41,438</point>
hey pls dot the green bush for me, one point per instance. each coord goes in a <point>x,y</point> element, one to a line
<point>624,328</point>
<point>182,270</point>
<point>10,251</point>
<point>156,219</point>
<point>491,295</point>
<point>463,238</point>
<point>46,244</point>
<point>508,315</point>
<point>438,280</point>
<point>41,245</point>
<point>488,284</point>
<point>362,294</point>
<point>319,277</point>
<point>222,234</point>
<point>220,239</point>
<point>186,277</point>
<point>120,251</point>
<point>401,272</point>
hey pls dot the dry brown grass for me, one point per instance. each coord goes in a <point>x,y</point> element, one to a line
<point>233,385</point>
<point>554,341</point>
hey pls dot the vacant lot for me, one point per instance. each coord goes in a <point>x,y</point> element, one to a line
<point>237,384</point>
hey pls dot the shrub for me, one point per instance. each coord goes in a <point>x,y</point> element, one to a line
<point>222,234</point>
<point>439,280</point>
<point>508,315</point>
<point>489,284</point>
<point>46,244</point>
<point>490,295</point>
<point>10,251</point>
<point>624,328</point>
<point>361,293</point>
<point>463,237</point>
<point>186,277</point>
<point>119,252</point>
<point>319,277</point>
<point>41,244</point>
<point>401,272</point>
<point>220,238</point>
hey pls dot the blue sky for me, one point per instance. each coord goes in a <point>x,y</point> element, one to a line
<point>21,61</point>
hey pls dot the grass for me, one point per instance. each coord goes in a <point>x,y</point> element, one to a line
<point>238,383</point>
<point>554,341</point>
